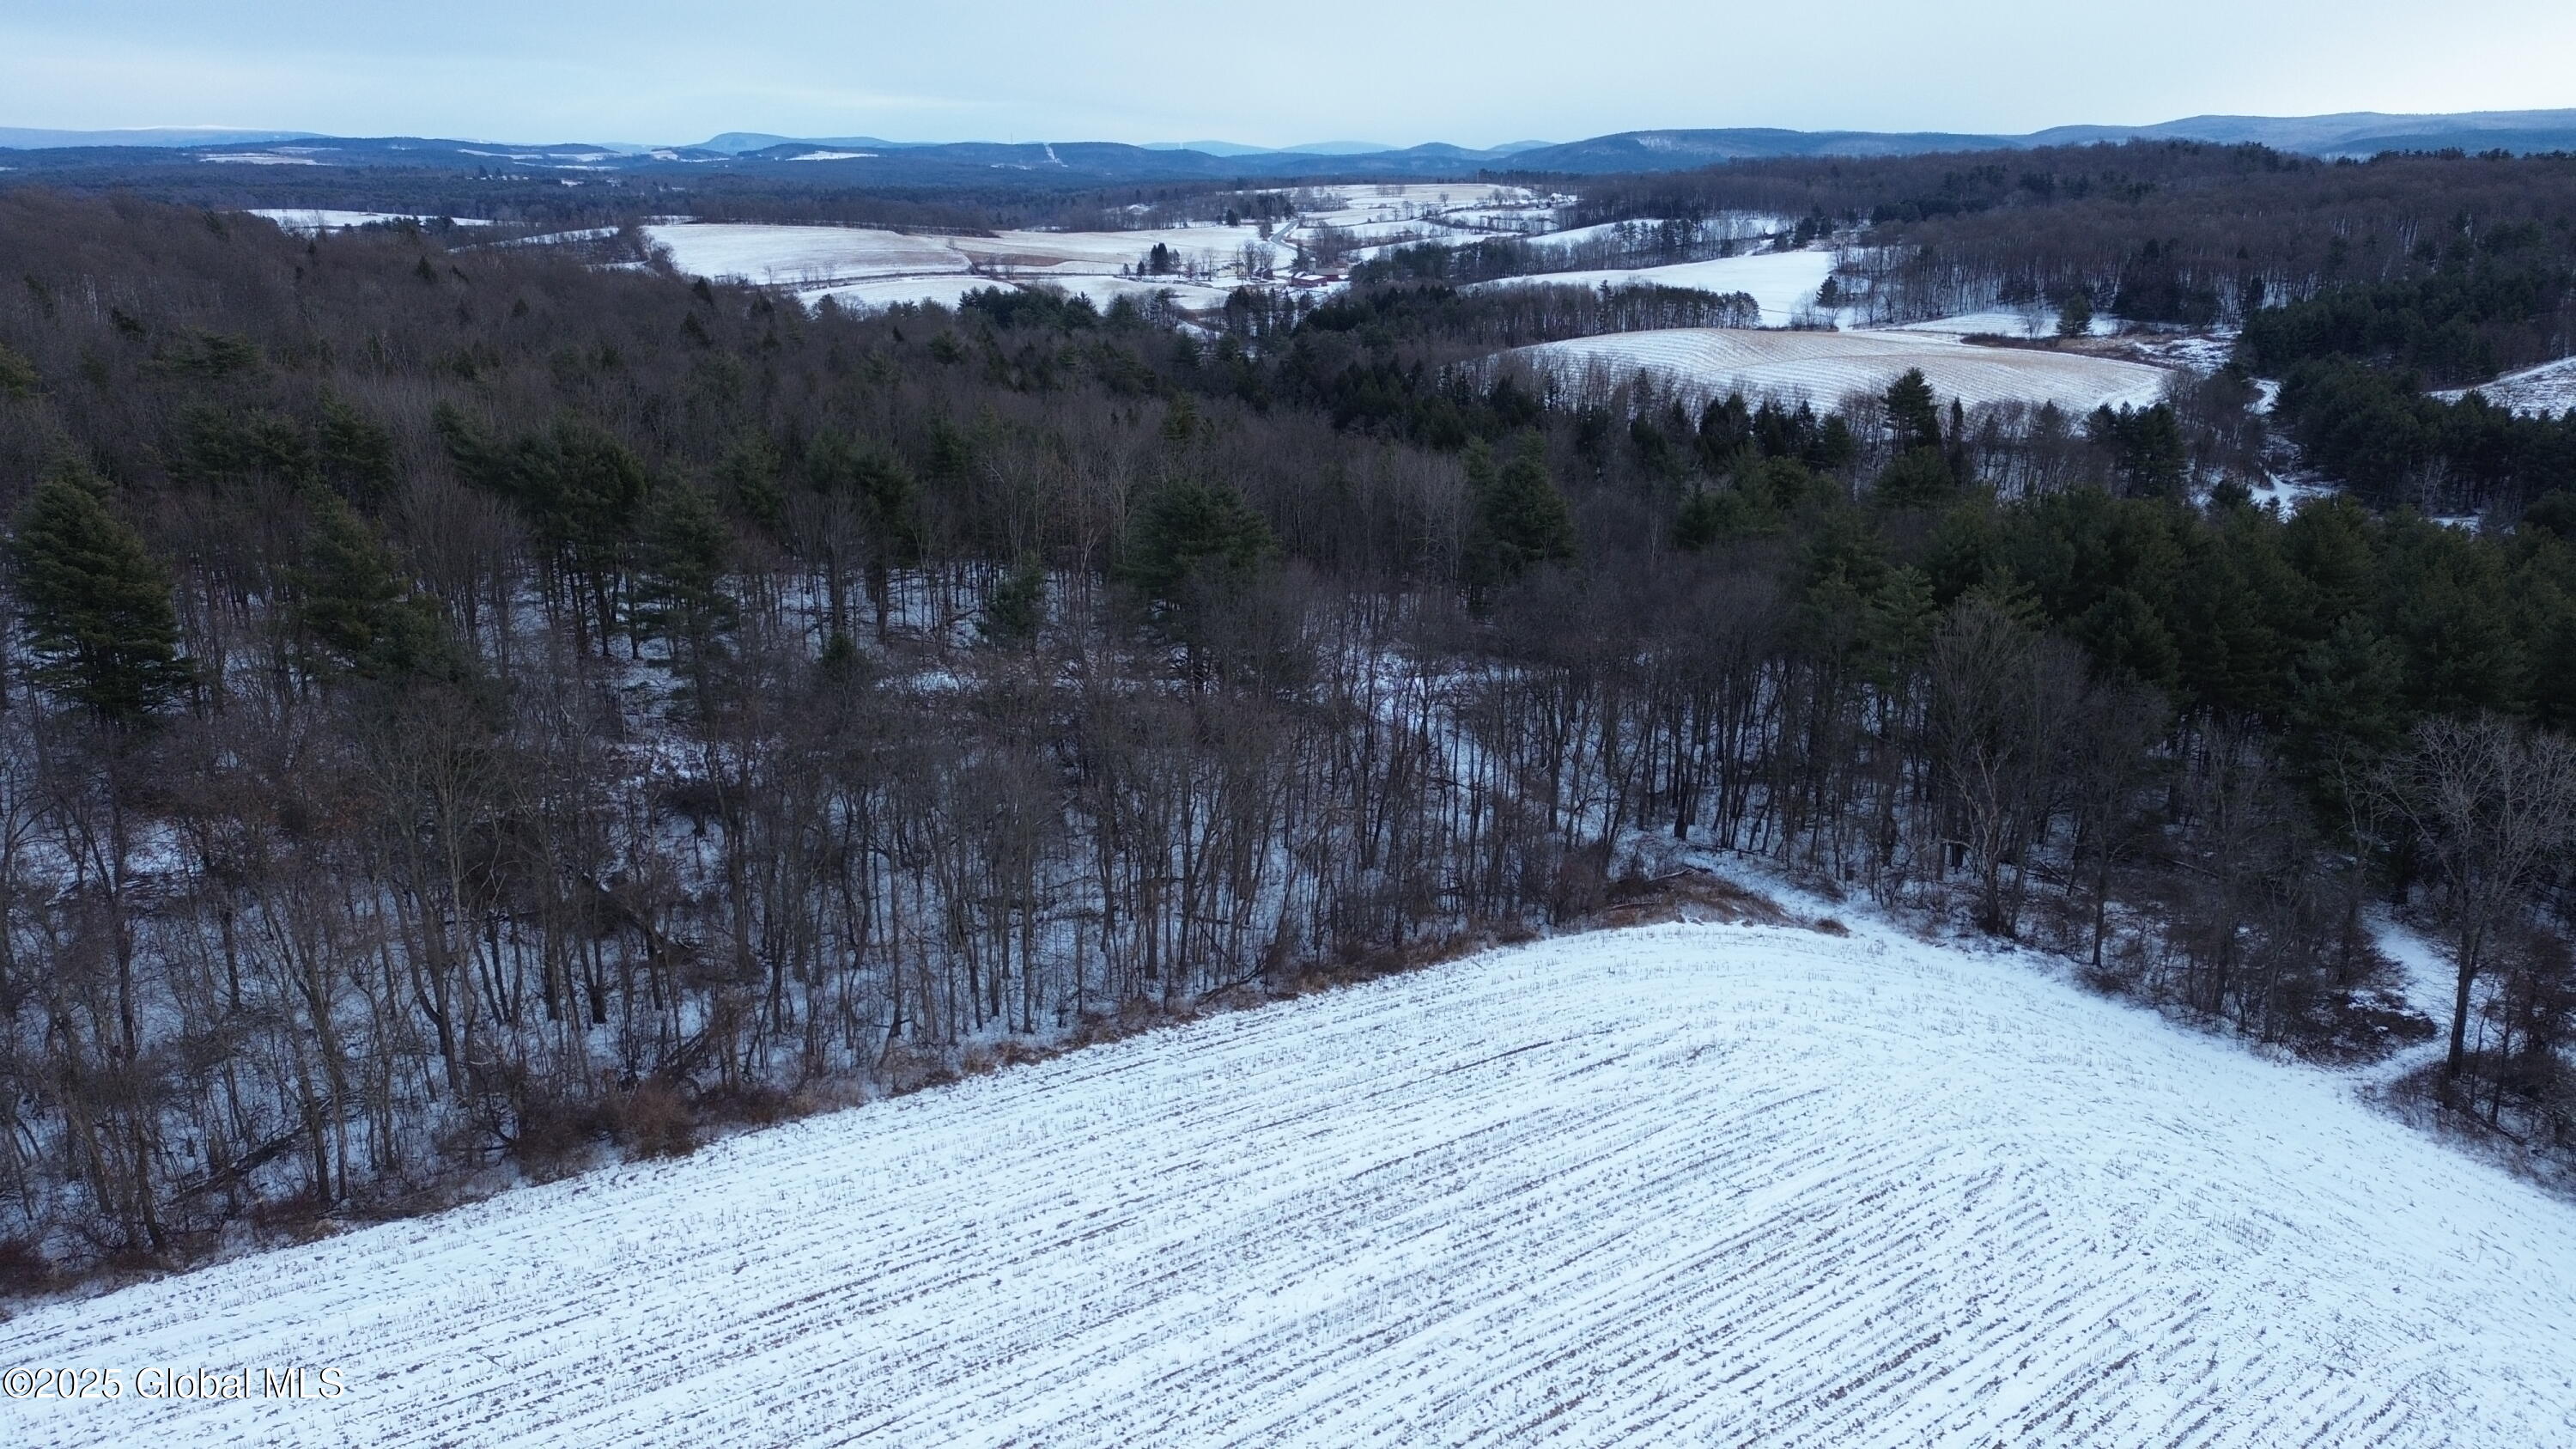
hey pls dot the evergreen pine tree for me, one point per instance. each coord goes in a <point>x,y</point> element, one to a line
<point>1521,518</point>
<point>680,568</point>
<point>1897,624</point>
<point>1912,414</point>
<point>1190,536</point>
<point>2075,314</point>
<point>679,580</point>
<point>1919,478</point>
<point>2146,447</point>
<point>2126,639</point>
<point>1017,606</point>
<point>1725,430</point>
<point>352,601</point>
<point>96,603</point>
<point>748,479</point>
<point>357,456</point>
<point>18,377</point>
<point>1833,447</point>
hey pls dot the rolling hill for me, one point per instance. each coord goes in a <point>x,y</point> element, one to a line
<point>71,157</point>
<point>1678,1185</point>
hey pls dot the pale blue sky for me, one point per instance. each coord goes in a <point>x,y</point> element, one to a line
<point>1400,71</point>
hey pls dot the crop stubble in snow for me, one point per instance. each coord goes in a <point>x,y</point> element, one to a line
<point>1687,1185</point>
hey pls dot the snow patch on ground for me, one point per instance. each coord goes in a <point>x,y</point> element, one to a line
<point>2290,491</point>
<point>1682,1185</point>
<point>2546,390</point>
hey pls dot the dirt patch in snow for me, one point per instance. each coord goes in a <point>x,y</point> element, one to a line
<point>1688,896</point>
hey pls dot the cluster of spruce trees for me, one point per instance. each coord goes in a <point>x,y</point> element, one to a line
<point>470,710</point>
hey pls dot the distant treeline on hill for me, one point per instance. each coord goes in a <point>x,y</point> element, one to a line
<point>2196,232</point>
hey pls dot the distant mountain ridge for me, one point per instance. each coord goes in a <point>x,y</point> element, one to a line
<point>870,160</point>
<point>2352,133</point>
<point>21,138</point>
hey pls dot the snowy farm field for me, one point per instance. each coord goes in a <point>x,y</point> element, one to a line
<point>1463,202</point>
<point>785,254</point>
<point>1826,366</point>
<point>862,266</point>
<point>1682,1185</point>
<point>312,222</point>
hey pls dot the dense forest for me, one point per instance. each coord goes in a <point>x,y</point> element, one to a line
<point>2175,232</point>
<point>469,709</point>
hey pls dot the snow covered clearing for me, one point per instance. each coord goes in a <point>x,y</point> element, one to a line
<point>1724,226</point>
<point>1104,252</point>
<point>860,266</point>
<point>2547,390</point>
<point>1679,1185</point>
<point>1207,262</point>
<point>1826,366</point>
<point>2000,322</point>
<point>2290,491</point>
<point>1783,283</point>
<point>309,222</point>
<point>1399,233</point>
<point>898,291</point>
<point>1104,292</point>
<point>557,238</point>
<point>801,254</point>
<point>1488,207</point>
<point>2203,352</point>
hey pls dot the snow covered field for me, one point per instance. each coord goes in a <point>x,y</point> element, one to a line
<point>861,266</point>
<point>1486,208</point>
<point>2005,322</point>
<point>864,267</point>
<point>790,254</point>
<point>1684,1185</point>
<point>1826,366</point>
<point>1783,283</point>
<point>2548,390</point>
<point>311,222</point>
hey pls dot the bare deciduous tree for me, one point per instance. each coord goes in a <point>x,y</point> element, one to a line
<point>2491,803</point>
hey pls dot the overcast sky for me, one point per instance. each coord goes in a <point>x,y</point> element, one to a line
<point>1398,71</point>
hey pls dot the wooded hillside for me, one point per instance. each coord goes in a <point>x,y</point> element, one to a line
<point>469,708</point>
